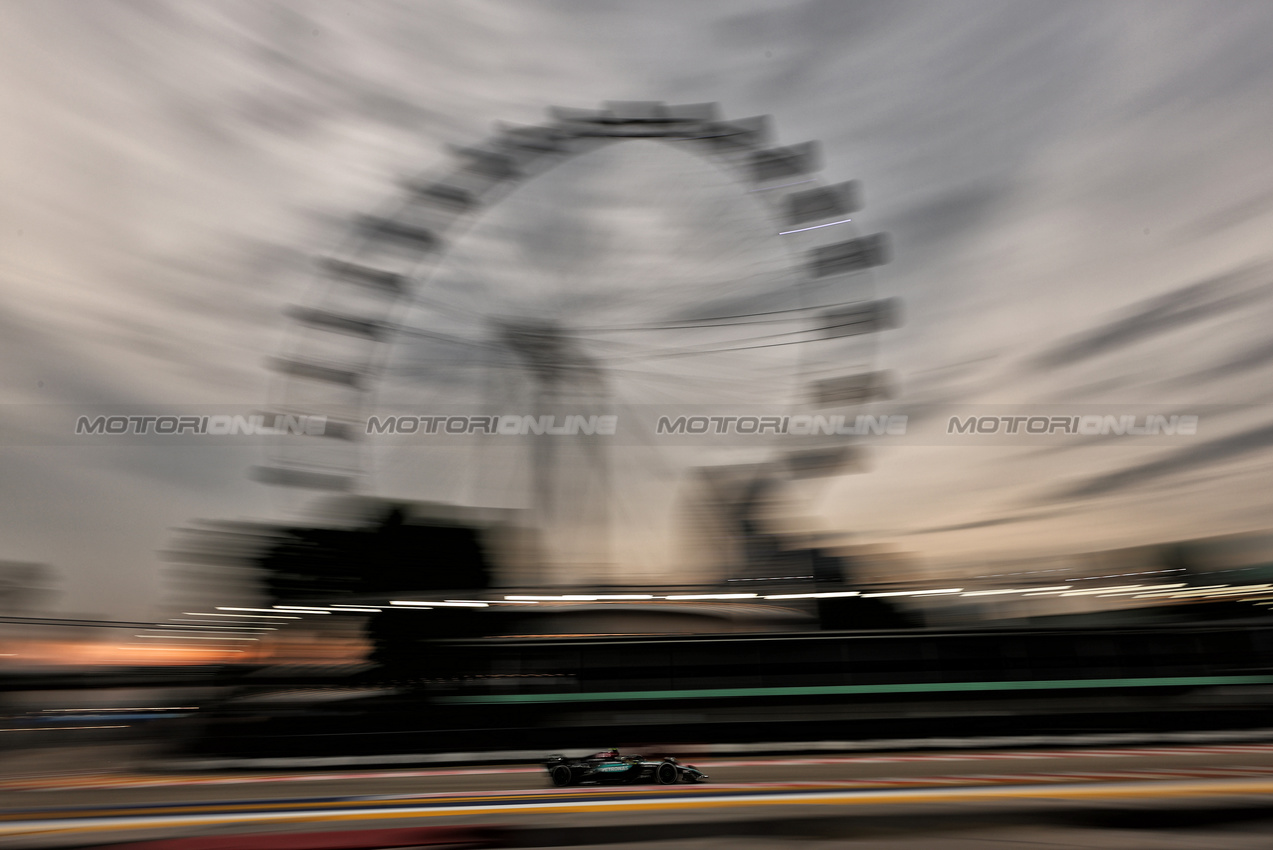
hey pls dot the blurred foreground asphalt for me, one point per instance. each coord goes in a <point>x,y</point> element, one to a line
<point>1212,796</point>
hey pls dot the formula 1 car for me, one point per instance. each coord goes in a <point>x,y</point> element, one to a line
<point>610,768</point>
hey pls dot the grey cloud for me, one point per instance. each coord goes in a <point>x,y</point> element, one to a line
<point>1252,358</point>
<point>811,21</point>
<point>984,523</point>
<point>1184,461</point>
<point>1228,216</point>
<point>1154,317</point>
<point>37,363</point>
<point>958,210</point>
<point>1209,73</point>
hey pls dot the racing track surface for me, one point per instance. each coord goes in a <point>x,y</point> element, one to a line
<point>70,811</point>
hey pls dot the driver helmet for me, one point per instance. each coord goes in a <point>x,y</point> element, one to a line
<point>612,753</point>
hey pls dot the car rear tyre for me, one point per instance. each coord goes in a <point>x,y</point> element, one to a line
<point>561,776</point>
<point>667,774</point>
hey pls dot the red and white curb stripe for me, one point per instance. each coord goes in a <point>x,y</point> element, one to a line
<point>50,823</point>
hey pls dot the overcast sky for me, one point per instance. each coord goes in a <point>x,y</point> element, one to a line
<point>1079,194</point>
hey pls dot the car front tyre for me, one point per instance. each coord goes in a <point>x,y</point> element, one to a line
<point>561,776</point>
<point>667,774</point>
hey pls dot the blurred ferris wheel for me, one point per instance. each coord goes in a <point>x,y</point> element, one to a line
<point>553,272</point>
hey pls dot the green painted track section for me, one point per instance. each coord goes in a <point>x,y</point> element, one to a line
<point>849,690</point>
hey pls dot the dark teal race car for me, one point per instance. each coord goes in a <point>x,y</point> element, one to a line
<point>610,768</point>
